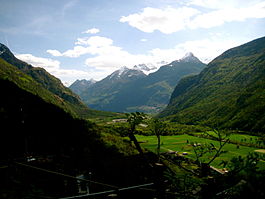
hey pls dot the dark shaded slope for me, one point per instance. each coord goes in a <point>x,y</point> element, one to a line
<point>28,110</point>
<point>229,93</point>
<point>33,125</point>
<point>25,82</point>
<point>45,80</point>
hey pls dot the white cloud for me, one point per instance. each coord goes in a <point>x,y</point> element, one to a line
<point>221,16</point>
<point>207,49</point>
<point>114,57</point>
<point>95,41</point>
<point>92,31</point>
<point>143,40</point>
<point>39,61</point>
<point>54,53</point>
<point>69,76</point>
<point>76,52</point>
<point>204,49</point>
<point>114,60</point>
<point>53,67</point>
<point>169,20</point>
<point>107,56</point>
<point>87,45</point>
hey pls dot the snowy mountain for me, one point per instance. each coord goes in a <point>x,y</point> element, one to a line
<point>189,57</point>
<point>148,68</point>
<point>125,73</point>
<point>130,89</point>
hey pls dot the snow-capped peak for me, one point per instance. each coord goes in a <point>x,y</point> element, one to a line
<point>148,68</point>
<point>93,81</point>
<point>137,70</point>
<point>142,67</point>
<point>120,72</point>
<point>189,57</point>
<point>188,54</point>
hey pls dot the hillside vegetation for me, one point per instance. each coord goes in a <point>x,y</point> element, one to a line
<point>228,93</point>
<point>48,151</point>
<point>45,85</point>
<point>41,130</point>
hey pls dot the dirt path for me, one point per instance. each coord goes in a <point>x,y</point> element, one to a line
<point>260,150</point>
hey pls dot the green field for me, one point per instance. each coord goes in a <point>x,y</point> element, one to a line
<point>243,138</point>
<point>182,143</point>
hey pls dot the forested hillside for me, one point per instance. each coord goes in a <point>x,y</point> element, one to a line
<point>228,93</point>
<point>40,130</point>
<point>42,81</point>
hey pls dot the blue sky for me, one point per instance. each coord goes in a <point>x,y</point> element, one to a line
<point>83,39</point>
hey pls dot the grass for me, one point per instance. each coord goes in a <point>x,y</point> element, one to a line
<point>182,143</point>
<point>104,118</point>
<point>243,138</point>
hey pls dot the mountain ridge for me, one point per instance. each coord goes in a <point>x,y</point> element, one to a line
<point>40,75</point>
<point>228,93</point>
<point>127,90</point>
<point>79,86</point>
<point>39,82</point>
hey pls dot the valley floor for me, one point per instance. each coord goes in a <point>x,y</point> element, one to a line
<point>182,145</point>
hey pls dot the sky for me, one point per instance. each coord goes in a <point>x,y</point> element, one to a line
<point>84,39</point>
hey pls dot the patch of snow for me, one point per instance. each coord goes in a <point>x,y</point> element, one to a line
<point>189,57</point>
<point>148,68</point>
<point>93,81</point>
<point>119,73</point>
<point>1,52</point>
<point>122,70</point>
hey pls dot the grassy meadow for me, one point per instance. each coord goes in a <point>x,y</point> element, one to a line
<point>183,143</point>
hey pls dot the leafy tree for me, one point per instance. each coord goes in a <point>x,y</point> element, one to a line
<point>133,120</point>
<point>201,150</point>
<point>158,127</point>
<point>245,178</point>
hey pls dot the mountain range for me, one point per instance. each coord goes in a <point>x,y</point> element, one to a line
<point>46,82</point>
<point>37,113</point>
<point>39,82</point>
<point>228,93</point>
<point>41,130</point>
<point>143,88</point>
